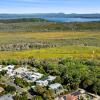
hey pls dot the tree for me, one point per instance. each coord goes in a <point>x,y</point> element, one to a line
<point>21,82</point>
<point>39,89</point>
<point>96,87</point>
<point>58,80</point>
<point>48,95</point>
<point>37,98</point>
<point>3,72</point>
<point>10,89</point>
<point>17,97</point>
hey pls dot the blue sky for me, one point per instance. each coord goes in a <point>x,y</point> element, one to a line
<point>49,6</point>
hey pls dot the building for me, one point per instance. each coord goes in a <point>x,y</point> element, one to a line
<point>50,78</point>
<point>9,69</point>
<point>42,83</point>
<point>28,75</point>
<point>20,70</point>
<point>38,75</point>
<point>57,88</point>
<point>33,76</point>
<point>77,95</point>
<point>10,66</point>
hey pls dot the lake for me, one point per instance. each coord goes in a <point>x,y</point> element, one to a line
<point>72,19</point>
<point>55,19</point>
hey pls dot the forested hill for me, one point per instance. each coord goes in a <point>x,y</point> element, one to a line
<point>22,20</point>
<point>42,25</point>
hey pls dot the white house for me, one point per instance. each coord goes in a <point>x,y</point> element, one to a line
<point>10,66</point>
<point>34,76</point>
<point>57,88</point>
<point>28,75</point>
<point>9,69</point>
<point>50,78</point>
<point>20,70</point>
<point>42,83</point>
<point>38,75</point>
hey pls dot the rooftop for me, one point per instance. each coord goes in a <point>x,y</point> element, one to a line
<point>21,70</point>
<point>55,86</point>
<point>50,78</point>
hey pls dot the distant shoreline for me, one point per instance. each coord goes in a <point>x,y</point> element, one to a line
<point>55,17</point>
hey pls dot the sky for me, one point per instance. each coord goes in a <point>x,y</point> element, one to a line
<point>49,6</point>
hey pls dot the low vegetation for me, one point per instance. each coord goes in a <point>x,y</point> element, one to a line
<point>70,51</point>
<point>60,52</point>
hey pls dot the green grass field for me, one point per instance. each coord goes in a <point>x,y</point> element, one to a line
<point>79,44</point>
<point>61,52</point>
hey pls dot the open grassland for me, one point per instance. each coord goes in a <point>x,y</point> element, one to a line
<point>43,39</point>
<point>60,52</point>
<point>79,44</point>
<point>21,36</point>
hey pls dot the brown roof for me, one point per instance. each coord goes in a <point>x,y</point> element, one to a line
<point>71,97</point>
<point>68,97</point>
<point>76,93</point>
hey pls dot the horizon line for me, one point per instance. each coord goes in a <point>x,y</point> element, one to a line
<point>50,13</point>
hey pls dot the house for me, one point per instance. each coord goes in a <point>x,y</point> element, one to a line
<point>20,70</point>
<point>42,82</point>
<point>9,69</point>
<point>38,75</point>
<point>33,76</point>
<point>57,88</point>
<point>10,73</point>
<point>45,81</point>
<point>69,96</point>
<point>10,66</point>
<point>23,72</point>
<point>66,97</point>
<point>50,78</point>
<point>73,96</point>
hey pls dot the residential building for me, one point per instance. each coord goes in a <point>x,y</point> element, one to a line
<point>20,70</point>
<point>9,69</point>
<point>57,88</point>
<point>50,78</point>
<point>42,82</point>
